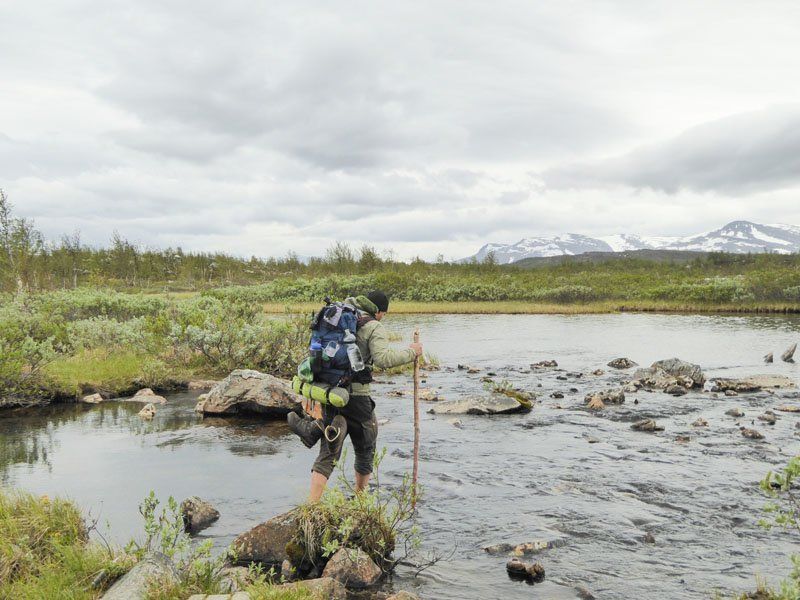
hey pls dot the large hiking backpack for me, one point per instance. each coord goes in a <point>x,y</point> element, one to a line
<point>329,370</point>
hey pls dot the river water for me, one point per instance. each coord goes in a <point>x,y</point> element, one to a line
<point>515,478</point>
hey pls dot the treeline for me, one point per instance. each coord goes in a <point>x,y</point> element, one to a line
<point>30,263</point>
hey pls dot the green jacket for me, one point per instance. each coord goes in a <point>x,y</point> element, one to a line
<point>373,343</point>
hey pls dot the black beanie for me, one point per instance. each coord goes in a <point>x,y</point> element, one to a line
<point>379,299</point>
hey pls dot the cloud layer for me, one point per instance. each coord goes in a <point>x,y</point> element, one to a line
<point>426,129</point>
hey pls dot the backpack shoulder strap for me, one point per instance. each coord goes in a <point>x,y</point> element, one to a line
<point>363,319</point>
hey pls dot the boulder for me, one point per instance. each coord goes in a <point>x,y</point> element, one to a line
<point>353,567</point>
<point>680,369</point>
<point>672,371</point>
<point>197,514</point>
<point>788,356</point>
<point>612,396</point>
<point>92,399</point>
<point>147,395</point>
<point>753,383</point>
<point>622,363</point>
<point>493,404</point>
<point>247,391</point>
<point>735,412</point>
<point>265,544</point>
<point>148,412</point>
<point>323,588</point>
<point>134,584</point>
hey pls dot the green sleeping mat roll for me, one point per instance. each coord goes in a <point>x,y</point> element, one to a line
<point>335,396</point>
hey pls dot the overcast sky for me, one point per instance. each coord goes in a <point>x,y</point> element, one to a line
<point>422,127</point>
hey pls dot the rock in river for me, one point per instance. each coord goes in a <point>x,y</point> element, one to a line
<point>752,434</point>
<point>147,395</point>
<point>614,396</point>
<point>148,412</point>
<point>622,363</point>
<point>353,567</point>
<point>265,544</point>
<point>493,404</point>
<point>197,514</point>
<point>248,391</point>
<point>134,584</point>
<point>753,383</point>
<point>672,371</point>
<point>92,399</point>
<point>788,356</point>
<point>646,425</point>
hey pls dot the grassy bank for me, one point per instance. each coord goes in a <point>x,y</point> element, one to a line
<point>46,551</point>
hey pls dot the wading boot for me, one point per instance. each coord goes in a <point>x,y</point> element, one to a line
<point>307,429</point>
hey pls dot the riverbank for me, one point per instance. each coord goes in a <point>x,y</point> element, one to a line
<point>519,307</point>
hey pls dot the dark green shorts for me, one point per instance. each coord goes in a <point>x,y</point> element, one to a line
<point>362,428</point>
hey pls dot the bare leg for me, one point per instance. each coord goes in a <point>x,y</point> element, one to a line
<point>318,483</point>
<point>362,481</point>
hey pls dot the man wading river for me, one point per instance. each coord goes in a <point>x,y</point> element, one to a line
<point>355,419</point>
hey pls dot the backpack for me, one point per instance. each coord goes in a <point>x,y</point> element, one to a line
<point>334,358</point>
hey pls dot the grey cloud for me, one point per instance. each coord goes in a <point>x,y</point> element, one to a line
<point>739,154</point>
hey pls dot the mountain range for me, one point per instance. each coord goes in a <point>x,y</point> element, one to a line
<point>739,237</point>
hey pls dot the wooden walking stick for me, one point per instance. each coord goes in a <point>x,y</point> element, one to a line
<point>416,426</point>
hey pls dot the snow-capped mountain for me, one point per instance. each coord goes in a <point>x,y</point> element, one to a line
<point>570,243</point>
<point>738,237</point>
<point>742,237</point>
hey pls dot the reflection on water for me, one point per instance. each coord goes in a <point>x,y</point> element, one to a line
<point>508,479</point>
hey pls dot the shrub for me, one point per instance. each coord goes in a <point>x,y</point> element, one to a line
<point>375,521</point>
<point>225,335</point>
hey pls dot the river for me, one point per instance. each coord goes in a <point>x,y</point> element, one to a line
<point>515,478</point>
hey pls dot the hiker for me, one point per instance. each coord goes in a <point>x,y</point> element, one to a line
<point>357,417</point>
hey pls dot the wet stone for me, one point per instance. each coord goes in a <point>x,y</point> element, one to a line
<point>646,425</point>
<point>675,390</point>
<point>752,434</point>
<point>701,422</point>
<point>768,417</point>
<point>622,363</point>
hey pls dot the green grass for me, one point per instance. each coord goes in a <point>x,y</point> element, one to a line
<point>114,372</point>
<point>44,550</point>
